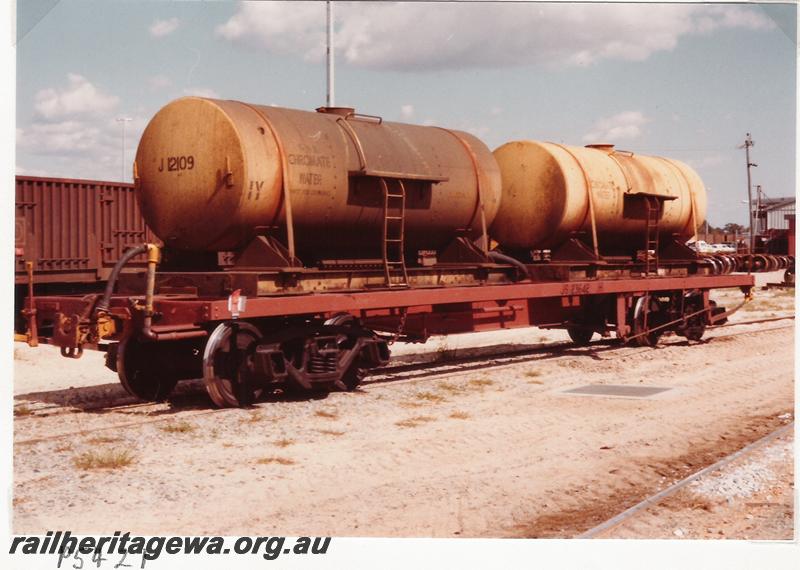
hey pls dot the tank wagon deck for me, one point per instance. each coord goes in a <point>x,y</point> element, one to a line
<point>220,328</point>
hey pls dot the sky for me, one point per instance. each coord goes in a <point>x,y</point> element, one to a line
<point>686,81</point>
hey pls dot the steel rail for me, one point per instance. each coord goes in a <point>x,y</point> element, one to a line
<point>672,489</point>
<point>515,357</point>
<point>115,426</point>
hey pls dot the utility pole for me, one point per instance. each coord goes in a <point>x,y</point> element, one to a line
<point>748,142</point>
<point>330,101</point>
<point>124,121</point>
<point>759,229</point>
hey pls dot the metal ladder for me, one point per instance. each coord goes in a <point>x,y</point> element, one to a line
<point>652,209</point>
<point>394,211</point>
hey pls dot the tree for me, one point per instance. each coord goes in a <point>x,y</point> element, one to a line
<point>731,228</point>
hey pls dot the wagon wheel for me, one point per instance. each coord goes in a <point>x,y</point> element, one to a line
<point>221,365</point>
<point>142,371</point>
<point>355,374</point>
<point>695,332</point>
<point>579,335</point>
<point>696,325</point>
<point>643,319</point>
<point>353,377</point>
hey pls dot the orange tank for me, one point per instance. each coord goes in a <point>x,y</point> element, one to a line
<point>549,191</point>
<point>211,174</point>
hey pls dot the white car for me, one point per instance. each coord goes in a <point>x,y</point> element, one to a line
<point>701,247</point>
<point>723,248</point>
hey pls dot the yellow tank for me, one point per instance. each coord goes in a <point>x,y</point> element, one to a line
<point>547,187</point>
<point>212,174</point>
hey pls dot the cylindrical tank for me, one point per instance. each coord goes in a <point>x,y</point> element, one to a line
<point>547,186</point>
<point>212,174</point>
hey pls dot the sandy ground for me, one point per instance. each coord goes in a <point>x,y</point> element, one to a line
<point>500,451</point>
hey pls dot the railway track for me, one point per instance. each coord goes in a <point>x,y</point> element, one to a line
<point>402,372</point>
<point>394,375</point>
<point>630,513</point>
<point>397,373</point>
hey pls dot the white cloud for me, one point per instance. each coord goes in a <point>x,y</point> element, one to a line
<point>78,137</point>
<point>161,28</point>
<point>78,149</point>
<point>620,127</point>
<point>201,92</point>
<point>407,112</point>
<point>495,111</point>
<point>159,82</point>
<point>79,97</point>
<point>64,137</point>
<point>410,36</point>
<point>74,133</point>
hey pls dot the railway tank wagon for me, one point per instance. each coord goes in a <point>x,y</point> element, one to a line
<point>298,246</point>
<point>608,213</point>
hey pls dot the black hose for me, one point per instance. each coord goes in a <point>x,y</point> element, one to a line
<point>102,306</point>
<point>498,257</point>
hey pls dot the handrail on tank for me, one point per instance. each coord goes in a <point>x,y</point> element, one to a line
<point>350,113</point>
<point>362,117</point>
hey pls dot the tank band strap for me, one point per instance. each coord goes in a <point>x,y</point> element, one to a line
<point>588,182</point>
<point>479,205</point>
<point>287,202</point>
<point>691,195</point>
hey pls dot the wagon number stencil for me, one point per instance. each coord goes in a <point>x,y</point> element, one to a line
<point>175,163</point>
<point>575,289</point>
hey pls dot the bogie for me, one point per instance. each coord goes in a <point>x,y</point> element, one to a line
<point>302,360</point>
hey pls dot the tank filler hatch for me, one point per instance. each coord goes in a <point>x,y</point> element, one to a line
<point>342,111</point>
<point>605,147</point>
